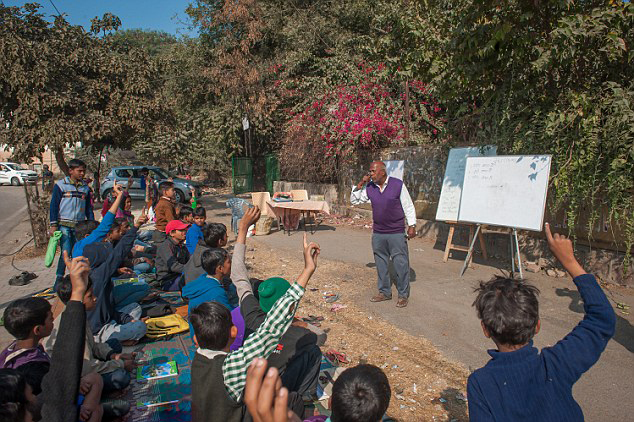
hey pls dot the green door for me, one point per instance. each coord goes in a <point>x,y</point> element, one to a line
<point>242,175</point>
<point>272,172</point>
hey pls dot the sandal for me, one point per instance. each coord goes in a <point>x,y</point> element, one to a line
<point>335,356</point>
<point>23,279</point>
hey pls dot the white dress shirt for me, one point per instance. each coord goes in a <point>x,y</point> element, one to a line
<point>360,196</point>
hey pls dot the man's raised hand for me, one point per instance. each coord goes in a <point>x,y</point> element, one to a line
<point>561,247</point>
<point>78,269</point>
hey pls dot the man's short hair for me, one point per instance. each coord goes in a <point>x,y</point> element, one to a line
<point>84,228</point>
<point>200,212</point>
<point>212,325</point>
<point>509,309</point>
<point>212,258</point>
<point>76,162</point>
<point>65,288</point>
<point>213,233</point>
<point>360,394</point>
<point>165,186</point>
<point>22,315</point>
<point>145,170</point>
<point>184,212</point>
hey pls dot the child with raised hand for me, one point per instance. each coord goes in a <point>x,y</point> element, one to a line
<point>88,232</point>
<point>519,383</point>
<point>218,375</point>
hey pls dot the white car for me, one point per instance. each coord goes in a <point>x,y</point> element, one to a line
<point>15,175</point>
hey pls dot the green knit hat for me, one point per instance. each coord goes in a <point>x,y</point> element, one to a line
<point>270,290</point>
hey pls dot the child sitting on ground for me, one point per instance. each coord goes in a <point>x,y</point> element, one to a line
<point>519,383</point>
<point>297,356</point>
<point>30,320</point>
<point>113,367</point>
<point>360,394</point>
<point>164,211</point>
<point>208,287</point>
<point>105,320</point>
<point>214,235</point>
<point>171,257</point>
<point>195,232</point>
<point>218,375</point>
<point>90,231</point>
<point>186,214</point>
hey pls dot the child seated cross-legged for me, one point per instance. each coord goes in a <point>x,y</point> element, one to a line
<point>214,235</point>
<point>208,287</point>
<point>218,375</point>
<point>30,320</point>
<point>171,257</point>
<point>360,394</point>
<point>106,321</point>
<point>195,232</point>
<point>114,368</point>
<point>519,383</point>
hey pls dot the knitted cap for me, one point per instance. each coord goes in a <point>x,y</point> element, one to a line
<point>270,290</point>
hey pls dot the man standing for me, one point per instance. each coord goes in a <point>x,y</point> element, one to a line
<point>70,204</point>
<point>47,179</point>
<point>391,205</point>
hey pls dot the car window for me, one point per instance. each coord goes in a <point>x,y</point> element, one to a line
<point>124,173</point>
<point>15,166</point>
<point>3,168</point>
<point>157,174</point>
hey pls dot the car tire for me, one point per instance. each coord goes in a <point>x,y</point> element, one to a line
<point>106,194</point>
<point>179,196</point>
<point>15,181</point>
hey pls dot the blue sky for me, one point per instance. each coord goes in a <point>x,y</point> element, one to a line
<point>165,15</point>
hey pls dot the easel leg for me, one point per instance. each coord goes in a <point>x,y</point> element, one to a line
<point>519,257</point>
<point>483,246</point>
<point>449,242</point>
<point>512,252</point>
<point>471,242</point>
<point>470,252</point>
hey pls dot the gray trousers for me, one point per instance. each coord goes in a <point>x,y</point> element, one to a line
<point>394,247</point>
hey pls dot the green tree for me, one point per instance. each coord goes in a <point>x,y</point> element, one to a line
<point>61,86</point>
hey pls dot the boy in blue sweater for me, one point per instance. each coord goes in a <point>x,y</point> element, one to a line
<point>519,383</point>
<point>195,232</point>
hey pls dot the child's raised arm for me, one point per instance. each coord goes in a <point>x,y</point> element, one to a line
<point>115,205</point>
<point>239,273</point>
<point>561,247</point>
<point>311,252</point>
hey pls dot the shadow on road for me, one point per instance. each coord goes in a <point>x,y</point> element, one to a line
<point>624,334</point>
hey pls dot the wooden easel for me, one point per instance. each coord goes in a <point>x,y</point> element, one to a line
<point>451,246</point>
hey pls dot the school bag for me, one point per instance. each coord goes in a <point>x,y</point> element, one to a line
<point>165,326</point>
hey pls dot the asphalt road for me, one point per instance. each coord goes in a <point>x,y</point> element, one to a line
<point>13,212</point>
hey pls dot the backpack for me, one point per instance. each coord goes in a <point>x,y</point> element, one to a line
<point>165,326</point>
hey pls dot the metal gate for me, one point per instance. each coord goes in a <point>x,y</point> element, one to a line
<point>272,171</point>
<point>242,175</point>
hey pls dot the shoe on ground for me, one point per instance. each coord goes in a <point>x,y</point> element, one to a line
<point>379,298</point>
<point>402,302</point>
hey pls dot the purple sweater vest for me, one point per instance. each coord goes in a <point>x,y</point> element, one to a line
<point>387,211</point>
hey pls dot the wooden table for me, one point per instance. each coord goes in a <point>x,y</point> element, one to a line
<point>290,211</point>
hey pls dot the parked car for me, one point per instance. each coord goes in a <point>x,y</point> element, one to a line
<point>15,174</point>
<point>121,174</point>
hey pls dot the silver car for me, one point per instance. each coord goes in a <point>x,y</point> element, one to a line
<point>182,187</point>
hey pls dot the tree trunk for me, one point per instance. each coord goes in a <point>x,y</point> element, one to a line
<point>61,162</point>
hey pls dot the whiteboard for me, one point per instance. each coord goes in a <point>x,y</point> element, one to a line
<point>449,203</point>
<point>508,190</point>
<point>395,168</point>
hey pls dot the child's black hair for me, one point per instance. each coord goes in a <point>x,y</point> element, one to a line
<point>76,162</point>
<point>184,212</point>
<point>200,212</point>
<point>212,325</point>
<point>360,394</point>
<point>509,309</point>
<point>65,288</point>
<point>13,402</point>
<point>117,223</point>
<point>166,186</point>
<point>22,315</point>
<point>213,233</point>
<point>212,259</point>
<point>84,228</point>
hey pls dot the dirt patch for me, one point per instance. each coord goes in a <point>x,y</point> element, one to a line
<point>425,385</point>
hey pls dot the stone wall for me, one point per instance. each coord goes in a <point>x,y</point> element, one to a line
<point>423,175</point>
